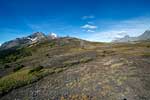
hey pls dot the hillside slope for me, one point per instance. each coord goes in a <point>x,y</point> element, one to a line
<point>74,69</point>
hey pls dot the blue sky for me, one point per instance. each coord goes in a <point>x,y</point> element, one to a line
<point>95,20</point>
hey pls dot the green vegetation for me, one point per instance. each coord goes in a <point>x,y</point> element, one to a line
<point>146,54</point>
<point>11,55</point>
<point>36,69</point>
<point>52,44</point>
<point>18,68</point>
<point>18,79</point>
<point>24,77</point>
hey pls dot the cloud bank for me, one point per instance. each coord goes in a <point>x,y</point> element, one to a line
<point>88,26</point>
<point>118,29</point>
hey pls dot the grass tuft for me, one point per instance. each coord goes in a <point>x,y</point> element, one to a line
<point>18,79</point>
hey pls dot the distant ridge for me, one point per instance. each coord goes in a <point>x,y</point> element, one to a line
<point>127,38</point>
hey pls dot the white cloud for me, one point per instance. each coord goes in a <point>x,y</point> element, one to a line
<point>88,17</point>
<point>92,31</point>
<point>88,26</point>
<point>90,22</point>
<point>0,44</point>
<point>131,27</point>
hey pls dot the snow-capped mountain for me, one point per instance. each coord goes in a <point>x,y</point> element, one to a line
<point>37,37</point>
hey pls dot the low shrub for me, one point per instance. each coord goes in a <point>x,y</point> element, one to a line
<point>18,68</point>
<point>148,46</point>
<point>7,66</point>
<point>86,59</point>
<point>36,69</point>
<point>52,44</point>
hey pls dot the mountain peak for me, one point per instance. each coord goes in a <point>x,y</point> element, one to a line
<point>37,34</point>
<point>145,35</point>
<point>147,31</point>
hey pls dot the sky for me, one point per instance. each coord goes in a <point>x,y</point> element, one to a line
<point>94,20</point>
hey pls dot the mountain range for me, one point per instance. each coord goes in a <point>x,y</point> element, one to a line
<point>37,37</point>
<point>127,38</point>
<point>40,37</point>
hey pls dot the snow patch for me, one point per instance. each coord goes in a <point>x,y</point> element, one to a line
<point>33,39</point>
<point>54,35</point>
